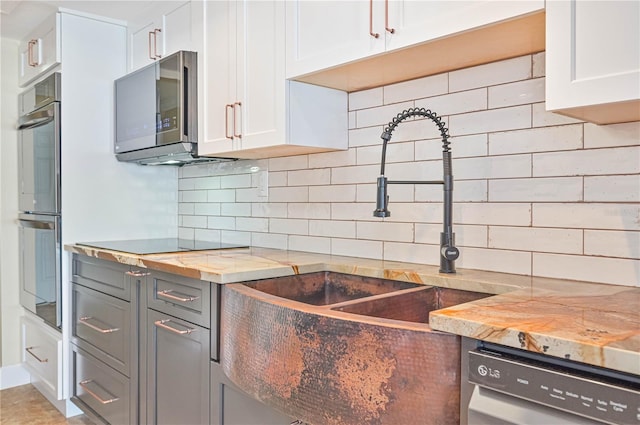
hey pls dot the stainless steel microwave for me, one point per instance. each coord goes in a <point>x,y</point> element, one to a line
<point>156,112</point>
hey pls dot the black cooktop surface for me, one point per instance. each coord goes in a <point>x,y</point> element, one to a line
<point>159,246</point>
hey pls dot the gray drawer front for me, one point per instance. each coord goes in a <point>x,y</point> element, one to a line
<point>102,325</point>
<point>98,390</point>
<point>184,298</point>
<point>104,276</point>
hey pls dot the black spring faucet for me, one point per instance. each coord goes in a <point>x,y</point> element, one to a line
<point>448,252</point>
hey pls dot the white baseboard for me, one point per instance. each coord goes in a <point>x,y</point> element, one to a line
<point>13,376</point>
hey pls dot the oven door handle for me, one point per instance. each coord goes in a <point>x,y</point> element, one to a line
<point>47,225</point>
<point>37,118</point>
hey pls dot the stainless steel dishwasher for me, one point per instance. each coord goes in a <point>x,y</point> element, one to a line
<point>505,386</point>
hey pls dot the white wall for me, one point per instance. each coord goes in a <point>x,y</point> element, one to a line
<point>535,193</point>
<point>10,309</point>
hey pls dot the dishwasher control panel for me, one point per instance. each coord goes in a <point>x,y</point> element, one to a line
<point>585,394</point>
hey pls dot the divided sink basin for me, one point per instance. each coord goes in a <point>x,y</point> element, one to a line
<point>333,349</point>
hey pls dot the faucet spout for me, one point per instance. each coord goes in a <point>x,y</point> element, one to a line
<point>448,252</point>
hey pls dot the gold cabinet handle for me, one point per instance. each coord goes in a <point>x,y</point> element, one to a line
<point>153,39</point>
<point>85,321</point>
<point>226,120</point>
<point>169,294</point>
<point>235,126</point>
<point>386,18</point>
<point>85,386</point>
<point>137,273</point>
<point>30,46</point>
<point>29,350</point>
<point>164,325</point>
<point>371,33</point>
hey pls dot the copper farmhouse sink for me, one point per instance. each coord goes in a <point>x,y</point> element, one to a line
<point>338,349</point>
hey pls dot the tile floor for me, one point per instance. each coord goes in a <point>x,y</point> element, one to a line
<point>25,405</point>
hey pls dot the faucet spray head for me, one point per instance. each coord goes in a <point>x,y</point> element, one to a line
<point>382,199</point>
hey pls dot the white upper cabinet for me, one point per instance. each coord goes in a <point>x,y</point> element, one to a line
<point>245,101</point>
<point>593,60</point>
<point>40,51</point>
<point>323,34</point>
<point>162,30</point>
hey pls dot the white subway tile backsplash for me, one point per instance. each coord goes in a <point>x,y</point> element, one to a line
<point>542,118</point>
<point>381,115</point>
<point>490,74</point>
<point>588,216</point>
<point>396,152</point>
<point>492,167</point>
<point>235,209</point>
<point>535,192</point>
<point>496,260</point>
<point>309,177</point>
<point>368,136</point>
<point>269,240</point>
<point>412,253</point>
<point>365,99</point>
<point>456,103</point>
<point>512,118</point>
<point>332,159</point>
<point>221,195</point>
<point>416,89</point>
<point>591,269</point>
<point>289,194</point>
<point>387,231</point>
<point>289,163</point>
<point>333,228</point>
<point>317,210</point>
<point>269,209</point>
<point>605,243</point>
<point>310,244</point>
<point>333,193</point>
<point>519,93</point>
<point>502,214</point>
<point>559,189</point>
<point>602,136</point>
<point>590,162</point>
<point>612,188</point>
<point>568,241</point>
<point>465,235</point>
<point>289,226</point>
<point>539,64</point>
<point>544,139</point>
<point>221,223</point>
<point>208,208</point>
<point>357,248</point>
<point>251,224</point>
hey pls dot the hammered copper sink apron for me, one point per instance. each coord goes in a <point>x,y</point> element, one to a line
<point>335,349</point>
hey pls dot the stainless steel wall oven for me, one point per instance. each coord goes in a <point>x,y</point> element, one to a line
<point>39,200</point>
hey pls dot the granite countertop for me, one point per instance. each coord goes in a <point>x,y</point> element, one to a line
<point>592,323</point>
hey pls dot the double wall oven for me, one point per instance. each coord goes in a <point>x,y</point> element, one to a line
<point>39,200</point>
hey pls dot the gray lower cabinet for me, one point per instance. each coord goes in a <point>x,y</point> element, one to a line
<point>177,350</point>
<point>231,406</point>
<point>104,332</point>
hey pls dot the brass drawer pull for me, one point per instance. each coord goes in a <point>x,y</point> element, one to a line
<point>163,324</point>
<point>137,273</point>
<point>28,350</point>
<point>84,385</point>
<point>169,294</point>
<point>85,321</point>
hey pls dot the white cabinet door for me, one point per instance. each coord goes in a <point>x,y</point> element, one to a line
<point>593,59</point>
<point>260,82</point>
<point>414,22</point>
<point>163,29</point>
<point>40,51</point>
<point>321,34</point>
<point>217,68</point>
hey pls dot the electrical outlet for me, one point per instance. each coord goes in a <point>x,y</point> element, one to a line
<point>263,183</point>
